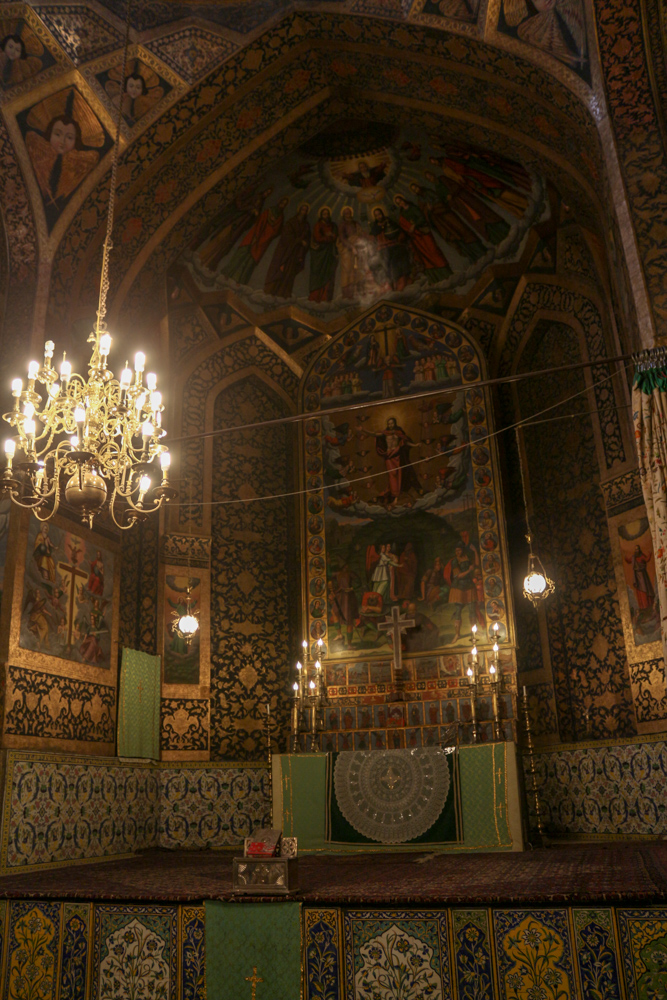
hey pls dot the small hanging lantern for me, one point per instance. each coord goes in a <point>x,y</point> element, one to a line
<point>186,626</point>
<point>536,586</point>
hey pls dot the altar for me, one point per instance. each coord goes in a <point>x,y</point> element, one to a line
<point>486,796</point>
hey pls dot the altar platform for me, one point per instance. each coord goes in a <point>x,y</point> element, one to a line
<point>579,875</point>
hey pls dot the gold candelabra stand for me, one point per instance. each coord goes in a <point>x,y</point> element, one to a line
<point>308,701</point>
<point>477,684</point>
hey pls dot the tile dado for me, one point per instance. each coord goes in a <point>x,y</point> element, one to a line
<point>76,951</point>
<point>59,810</point>
<point>613,790</point>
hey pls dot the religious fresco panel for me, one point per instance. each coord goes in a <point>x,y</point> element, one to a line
<point>142,88</point>
<point>67,603</point>
<point>402,505</point>
<point>22,53</point>
<point>363,210</point>
<point>65,142</point>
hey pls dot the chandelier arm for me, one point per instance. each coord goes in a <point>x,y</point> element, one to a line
<point>108,244</point>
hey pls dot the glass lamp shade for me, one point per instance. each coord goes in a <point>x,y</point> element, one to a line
<point>536,585</point>
<point>186,626</point>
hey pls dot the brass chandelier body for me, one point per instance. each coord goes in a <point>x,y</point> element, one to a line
<point>89,440</point>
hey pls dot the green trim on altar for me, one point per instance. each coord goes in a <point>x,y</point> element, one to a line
<point>253,941</point>
<point>490,803</point>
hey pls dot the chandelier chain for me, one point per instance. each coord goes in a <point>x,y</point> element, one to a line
<point>108,242</point>
<point>523,482</point>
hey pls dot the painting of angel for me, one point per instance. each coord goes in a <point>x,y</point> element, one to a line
<point>137,87</point>
<point>22,55</point>
<point>64,140</point>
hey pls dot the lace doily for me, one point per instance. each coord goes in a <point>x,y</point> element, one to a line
<point>391,796</point>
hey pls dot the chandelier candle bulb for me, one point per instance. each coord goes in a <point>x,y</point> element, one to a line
<point>151,381</point>
<point>17,387</point>
<point>33,369</point>
<point>65,369</point>
<point>125,378</point>
<point>139,363</point>
<point>165,462</point>
<point>10,451</point>
<point>105,344</point>
<point>48,353</point>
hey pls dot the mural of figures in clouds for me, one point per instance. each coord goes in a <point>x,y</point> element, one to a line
<point>558,27</point>
<point>22,55</point>
<point>639,571</point>
<point>65,141</point>
<point>363,211</point>
<point>141,87</point>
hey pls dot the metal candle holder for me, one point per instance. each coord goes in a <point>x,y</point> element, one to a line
<point>495,683</point>
<point>309,699</point>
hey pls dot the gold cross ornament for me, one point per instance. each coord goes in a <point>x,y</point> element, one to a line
<point>254,979</point>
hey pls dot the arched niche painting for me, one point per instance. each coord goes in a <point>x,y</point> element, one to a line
<point>65,142</point>
<point>365,209</point>
<point>402,504</point>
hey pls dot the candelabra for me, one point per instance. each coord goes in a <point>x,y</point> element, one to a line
<point>477,684</point>
<point>531,766</point>
<point>308,702</point>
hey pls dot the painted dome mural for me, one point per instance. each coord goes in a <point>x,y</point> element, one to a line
<point>363,212</point>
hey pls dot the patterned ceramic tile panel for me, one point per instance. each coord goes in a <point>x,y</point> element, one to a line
<point>599,972</point>
<point>31,961</point>
<point>394,953</point>
<point>643,941</point>
<point>75,950</point>
<point>323,965</point>
<point>211,806</point>
<point>473,966</point>
<point>83,34</point>
<point>193,953</point>
<point>135,952</point>
<point>91,809</point>
<point>602,790</point>
<point>534,954</point>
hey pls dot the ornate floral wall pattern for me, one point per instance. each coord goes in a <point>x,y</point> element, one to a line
<point>253,569</point>
<point>233,357</point>
<point>184,724</point>
<point>586,642</point>
<point>50,707</point>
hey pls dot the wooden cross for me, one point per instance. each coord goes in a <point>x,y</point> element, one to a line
<point>397,624</point>
<point>254,979</point>
<point>69,576</point>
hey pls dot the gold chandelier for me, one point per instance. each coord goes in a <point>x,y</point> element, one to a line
<point>93,440</point>
<point>87,440</point>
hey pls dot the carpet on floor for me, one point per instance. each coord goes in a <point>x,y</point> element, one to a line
<point>587,874</point>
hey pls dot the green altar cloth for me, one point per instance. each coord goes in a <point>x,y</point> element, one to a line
<point>139,705</point>
<point>253,940</point>
<point>489,793</point>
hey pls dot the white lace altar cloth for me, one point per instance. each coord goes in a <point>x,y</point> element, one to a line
<point>392,796</point>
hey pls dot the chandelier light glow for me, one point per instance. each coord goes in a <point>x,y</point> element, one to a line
<point>186,625</point>
<point>92,440</point>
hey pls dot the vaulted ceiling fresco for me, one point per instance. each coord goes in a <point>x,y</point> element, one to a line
<point>365,209</point>
<point>218,94</point>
